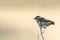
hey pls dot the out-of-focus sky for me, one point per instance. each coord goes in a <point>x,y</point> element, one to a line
<point>17,15</point>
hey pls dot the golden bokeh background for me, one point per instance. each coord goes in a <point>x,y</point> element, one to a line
<point>16,19</point>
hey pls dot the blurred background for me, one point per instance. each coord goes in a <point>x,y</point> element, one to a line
<point>17,23</point>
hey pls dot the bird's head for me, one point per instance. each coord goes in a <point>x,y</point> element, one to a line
<point>37,17</point>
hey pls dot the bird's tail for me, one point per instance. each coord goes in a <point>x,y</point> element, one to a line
<point>53,23</point>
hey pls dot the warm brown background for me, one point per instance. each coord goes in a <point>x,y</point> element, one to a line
<point>17,15</point>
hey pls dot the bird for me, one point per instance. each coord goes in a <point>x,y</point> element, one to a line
<point>43,22</point>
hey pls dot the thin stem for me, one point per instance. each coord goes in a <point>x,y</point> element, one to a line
<point>42,33</point>
<point>38,36</point>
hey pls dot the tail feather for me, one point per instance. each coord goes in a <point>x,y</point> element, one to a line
<point>53,23</point>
